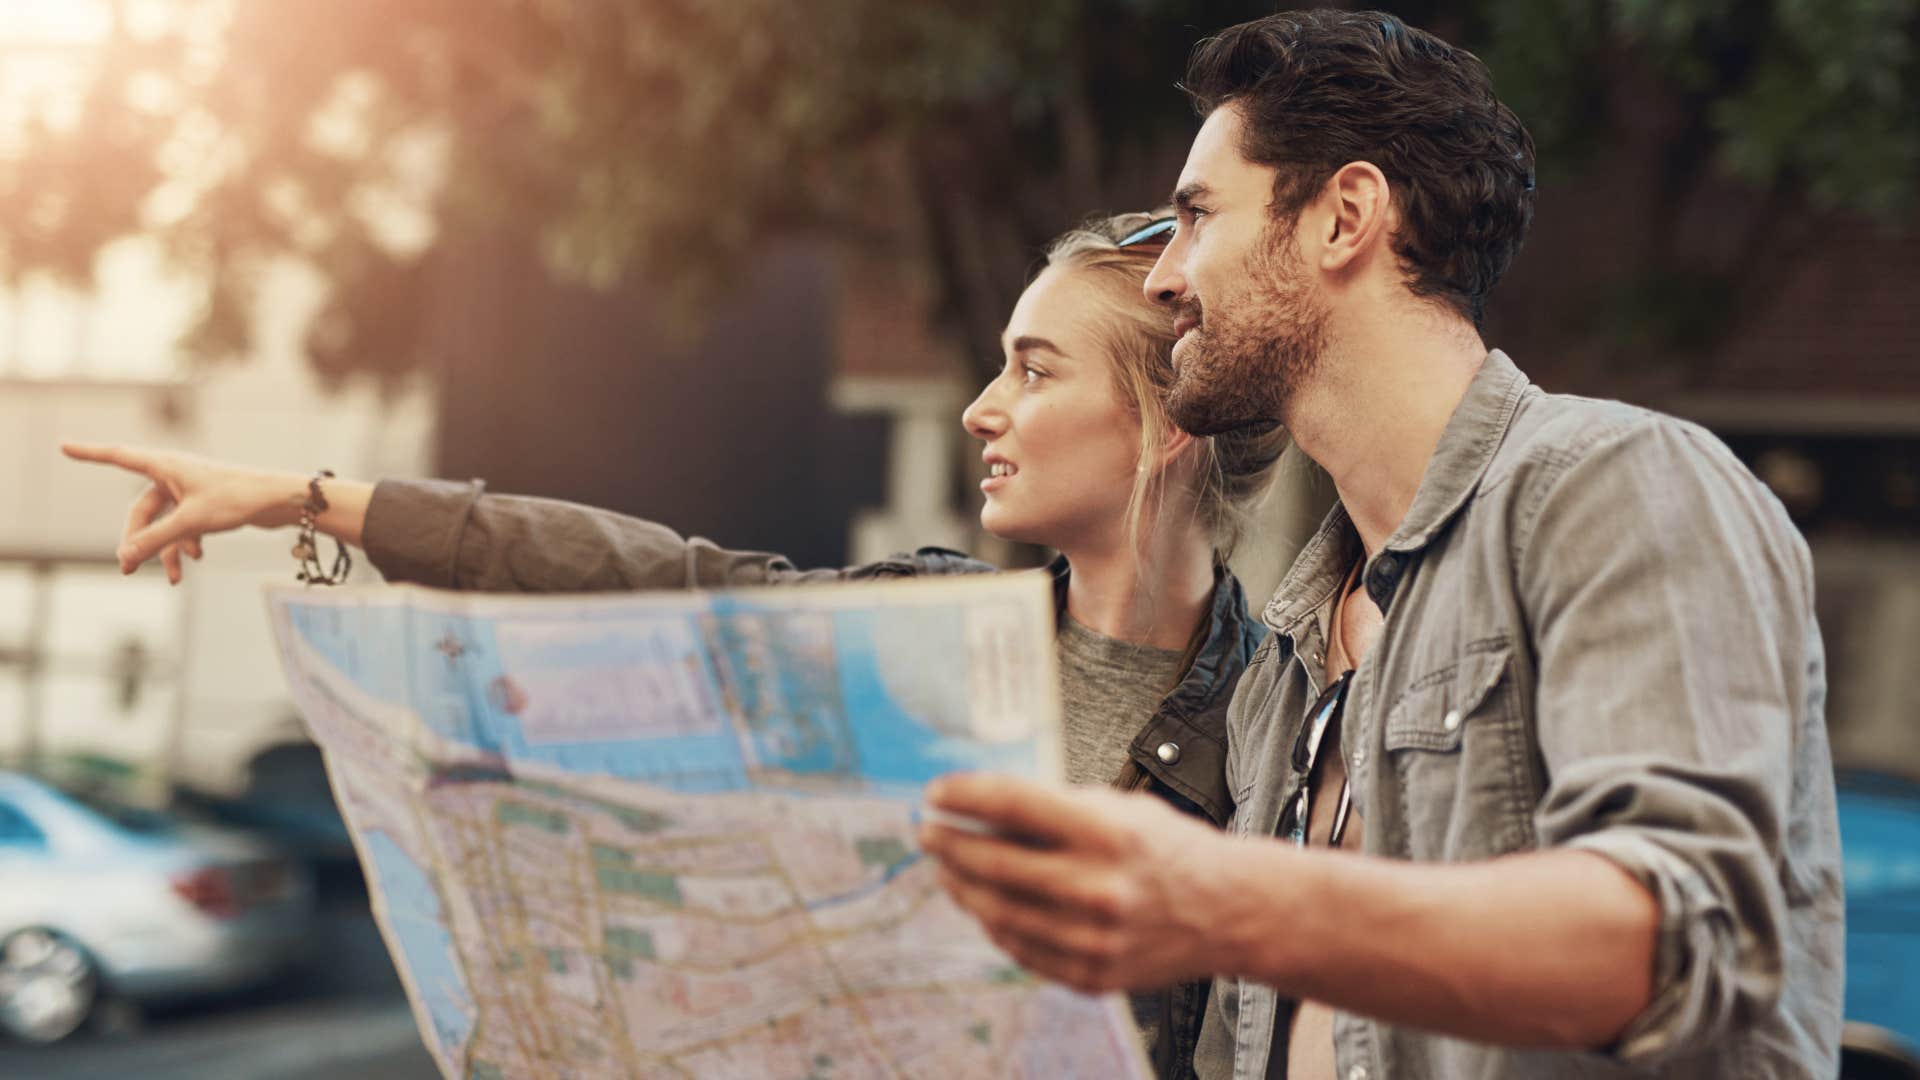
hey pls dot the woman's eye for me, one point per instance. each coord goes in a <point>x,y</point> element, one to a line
<point>1031,375</point>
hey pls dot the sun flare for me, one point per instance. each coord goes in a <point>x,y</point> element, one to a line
<point>54,22</point>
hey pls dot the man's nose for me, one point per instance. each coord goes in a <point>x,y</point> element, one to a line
<point>1165,285</point>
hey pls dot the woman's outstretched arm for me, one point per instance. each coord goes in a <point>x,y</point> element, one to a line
<point>455,536</point>
<point>447,535</point>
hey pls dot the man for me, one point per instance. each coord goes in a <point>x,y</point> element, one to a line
<point>1531,777</point>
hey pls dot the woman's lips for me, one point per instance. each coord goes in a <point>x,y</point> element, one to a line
<point>998,473</point>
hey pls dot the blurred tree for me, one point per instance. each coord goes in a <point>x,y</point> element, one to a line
<point>1763,120</point>
<point>659,141</point>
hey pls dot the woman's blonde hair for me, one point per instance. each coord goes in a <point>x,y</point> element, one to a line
<point>1234,467</point>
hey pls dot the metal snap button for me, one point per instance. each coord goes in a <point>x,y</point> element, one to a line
<point>1168,753</point>
<point>1358,1072</point>
<point>1452,719</point>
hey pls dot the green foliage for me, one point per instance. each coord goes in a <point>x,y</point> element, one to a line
<point>662,141</point>
<point>1817,96</point>
<point>1832,104</point>
<point>1774,111</point>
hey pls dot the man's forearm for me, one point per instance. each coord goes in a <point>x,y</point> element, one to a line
<point>1546,949</point>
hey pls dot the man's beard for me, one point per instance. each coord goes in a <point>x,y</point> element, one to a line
<point>1244,363</point>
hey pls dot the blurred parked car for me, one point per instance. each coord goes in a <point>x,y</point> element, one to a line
<point>1880,837</point>
<point>287,798</point>
<point>99,900</point>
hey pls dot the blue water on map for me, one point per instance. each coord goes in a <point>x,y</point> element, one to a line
<point>453,699</point>
<point>813,707</point>
<point>452,661</point>
<point>346,636</point>
<point>413,910</point>
<point>893,746</point>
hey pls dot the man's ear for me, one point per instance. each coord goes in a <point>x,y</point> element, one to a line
<point>1358,207</point>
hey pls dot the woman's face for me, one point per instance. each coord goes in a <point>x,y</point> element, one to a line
<point>1062,446</point>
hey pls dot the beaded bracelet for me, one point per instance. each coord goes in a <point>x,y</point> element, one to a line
<point>307,551</point>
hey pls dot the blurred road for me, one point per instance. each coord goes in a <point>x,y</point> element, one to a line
<point>342,1014</point>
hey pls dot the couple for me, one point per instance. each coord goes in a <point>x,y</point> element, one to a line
<point>1530,776</point>
<point>1153,628</point>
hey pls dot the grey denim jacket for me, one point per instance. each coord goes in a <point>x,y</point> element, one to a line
<point>453,536</point>
<point>1600,635</point>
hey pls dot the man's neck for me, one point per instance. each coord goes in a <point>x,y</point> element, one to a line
<point>1373,414</point>
<point>1156,597</point>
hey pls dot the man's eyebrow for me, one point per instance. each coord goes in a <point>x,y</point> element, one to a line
<point>1188,194</point>
<point>1029,343</point>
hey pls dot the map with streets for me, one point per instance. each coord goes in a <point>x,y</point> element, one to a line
<point>672,834</point>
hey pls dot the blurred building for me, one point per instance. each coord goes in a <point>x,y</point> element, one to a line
<point>174,683</point>
<point>718,425</point>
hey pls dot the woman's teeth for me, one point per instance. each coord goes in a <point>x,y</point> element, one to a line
<point>1002,468</point>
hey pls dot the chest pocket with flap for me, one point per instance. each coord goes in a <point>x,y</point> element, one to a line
<point>1457,752</point>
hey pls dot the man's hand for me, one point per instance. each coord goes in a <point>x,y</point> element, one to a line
<point>1095,888</point>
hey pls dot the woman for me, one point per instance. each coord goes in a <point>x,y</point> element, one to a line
<point>1154,630</point>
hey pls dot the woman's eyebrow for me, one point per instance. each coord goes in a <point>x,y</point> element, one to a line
<point>1030,343</point>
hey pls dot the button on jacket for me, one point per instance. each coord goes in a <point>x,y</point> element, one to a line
<point>1599,634</point>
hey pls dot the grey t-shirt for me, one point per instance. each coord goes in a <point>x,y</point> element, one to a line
<point>1108,689</point>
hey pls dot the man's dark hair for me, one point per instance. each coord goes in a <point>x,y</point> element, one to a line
<point>1320,89</point>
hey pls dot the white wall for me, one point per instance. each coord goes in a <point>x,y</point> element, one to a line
<point>218,695</point>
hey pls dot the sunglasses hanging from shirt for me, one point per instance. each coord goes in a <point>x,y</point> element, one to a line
<point>1324,714</point>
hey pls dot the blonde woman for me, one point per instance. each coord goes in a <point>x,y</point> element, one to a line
<point>1154,630</point>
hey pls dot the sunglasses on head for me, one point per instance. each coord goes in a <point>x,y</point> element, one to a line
<point>1157,231</point>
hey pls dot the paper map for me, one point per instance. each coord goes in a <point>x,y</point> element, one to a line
<point>672,834</point>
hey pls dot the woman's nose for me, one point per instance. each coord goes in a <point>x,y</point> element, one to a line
<point>985,419</point>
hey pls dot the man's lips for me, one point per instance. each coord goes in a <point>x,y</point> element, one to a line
<point>1183,324</point>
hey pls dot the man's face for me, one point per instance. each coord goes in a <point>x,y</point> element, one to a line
<point>1251,323</point>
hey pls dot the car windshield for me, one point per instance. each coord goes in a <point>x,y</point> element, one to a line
<point>134,819</point>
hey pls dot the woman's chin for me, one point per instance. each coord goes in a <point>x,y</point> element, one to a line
<point>1007,526</point>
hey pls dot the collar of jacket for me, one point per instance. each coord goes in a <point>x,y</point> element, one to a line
<point>1466,449</point>
<point>1226,647</point>
<point>1192,718</point>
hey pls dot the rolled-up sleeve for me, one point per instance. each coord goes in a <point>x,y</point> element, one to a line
<point>1672,605</point>
<point>456,536</point>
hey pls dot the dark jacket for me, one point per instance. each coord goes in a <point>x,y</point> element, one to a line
<point>449,536</point>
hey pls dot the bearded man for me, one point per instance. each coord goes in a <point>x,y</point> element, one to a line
<point>1531,777</point>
